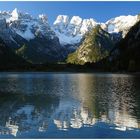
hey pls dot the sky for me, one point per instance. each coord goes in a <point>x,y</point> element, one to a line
<point>100,11</point>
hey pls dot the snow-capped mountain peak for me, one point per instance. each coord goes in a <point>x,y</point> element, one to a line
<point>71,31</point>
<point>43,17</point>
<point>87,25</point>
<point>121,24</point>
<point>27,26</point>
<point>76,20</point>
<point>61,19</point>
<point>14,15</point>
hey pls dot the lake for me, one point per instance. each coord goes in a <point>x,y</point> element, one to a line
<point>69,105</point>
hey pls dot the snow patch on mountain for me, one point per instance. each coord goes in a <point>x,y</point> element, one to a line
<point>64,40</point>
<point>27,34</point>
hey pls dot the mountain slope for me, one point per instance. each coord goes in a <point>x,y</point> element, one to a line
<point>22,29</point>
<point>8,57</point>
<point>94,48</point>
<point>126,55</point>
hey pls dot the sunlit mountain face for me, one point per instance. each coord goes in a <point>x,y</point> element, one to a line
<point>78,106</point>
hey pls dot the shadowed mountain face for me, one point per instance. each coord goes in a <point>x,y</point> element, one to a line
<point>126,54</point>
<point>8,56</point>
<point>41,50</point>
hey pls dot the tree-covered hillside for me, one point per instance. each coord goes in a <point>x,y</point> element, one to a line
<point>96,46</point>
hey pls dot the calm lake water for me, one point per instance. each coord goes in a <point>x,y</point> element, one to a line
<point>66,105</point>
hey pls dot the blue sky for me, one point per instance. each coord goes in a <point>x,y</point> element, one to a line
<point>101,11</point>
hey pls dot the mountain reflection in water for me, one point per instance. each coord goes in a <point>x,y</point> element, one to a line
<point>48,105</point>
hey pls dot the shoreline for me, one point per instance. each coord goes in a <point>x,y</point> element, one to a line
<point>63,68</point>
<point>73,72</point>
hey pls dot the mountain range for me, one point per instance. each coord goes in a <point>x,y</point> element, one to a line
<point>70,39</point>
